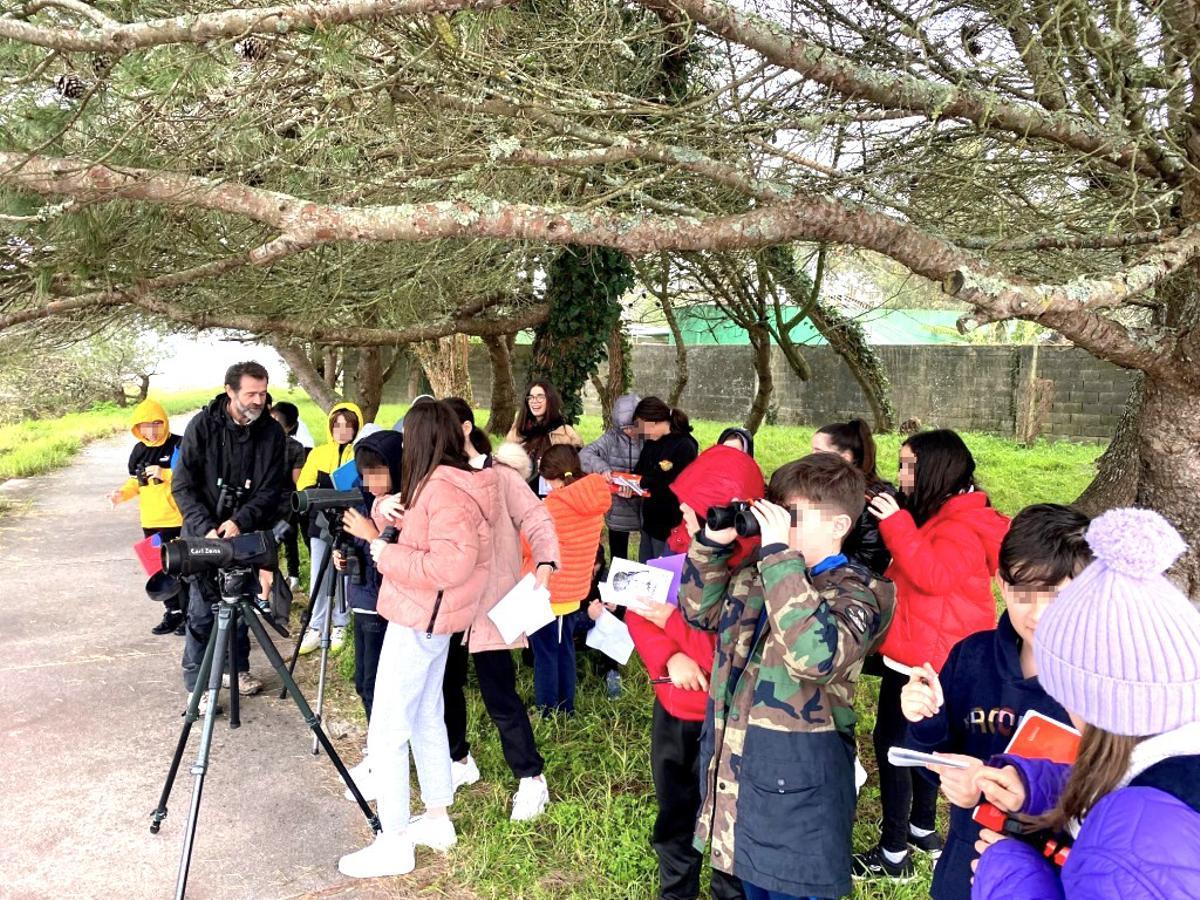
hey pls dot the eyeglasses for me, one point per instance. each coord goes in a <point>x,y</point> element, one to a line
<point>532,397</point>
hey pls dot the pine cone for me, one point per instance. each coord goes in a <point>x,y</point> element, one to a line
<point>250,49</point>
<point>102,64</point>
<point>71,86</point>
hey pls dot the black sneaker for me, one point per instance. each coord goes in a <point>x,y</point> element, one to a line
<point>931,844</point>
<point>873,864</point>
<point>170,621</point>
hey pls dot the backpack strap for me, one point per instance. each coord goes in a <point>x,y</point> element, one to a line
<point>1178,776</point>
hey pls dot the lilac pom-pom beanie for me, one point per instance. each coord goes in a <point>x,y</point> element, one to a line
<point>1120,646</point>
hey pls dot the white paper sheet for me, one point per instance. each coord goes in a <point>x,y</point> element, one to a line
<point>628,580</point>
<point>523,610</point>
<point>611,637</point>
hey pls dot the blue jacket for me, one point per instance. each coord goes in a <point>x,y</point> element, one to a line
<point>986,695</point>
<point>1137,842</point>
<point>390,446</point>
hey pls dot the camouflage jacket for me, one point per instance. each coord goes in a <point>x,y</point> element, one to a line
<point>777,750</point>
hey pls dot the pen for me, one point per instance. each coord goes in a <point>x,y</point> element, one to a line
<point>666,680</point>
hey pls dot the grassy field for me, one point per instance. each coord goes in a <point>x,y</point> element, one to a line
<point>40,445</point>
<point>593,841</point>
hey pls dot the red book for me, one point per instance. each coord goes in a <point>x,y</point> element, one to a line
<point>1040,737</point>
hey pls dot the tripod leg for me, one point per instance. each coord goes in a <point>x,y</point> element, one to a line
<point>223,638</point>
<point>326,626</point>
<point>323,568</point>
<point>191,714</point>
<point>235,708</point>
<point>310,718</point>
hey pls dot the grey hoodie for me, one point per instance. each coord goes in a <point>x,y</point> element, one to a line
<point>614,452</point>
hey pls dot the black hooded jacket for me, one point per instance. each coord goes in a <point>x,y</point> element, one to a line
<point>390,446</point>
<point>217,450</point>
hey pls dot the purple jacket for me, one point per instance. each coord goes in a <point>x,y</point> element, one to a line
<point>1137,842</point>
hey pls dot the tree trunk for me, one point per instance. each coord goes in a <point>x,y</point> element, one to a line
<point>681,360</point>
<point>1116,481</point>
<point>504,387</point>
<point>143,387</point>
<point>329,366</point>
<point>760,341</point>
<point>306,373</point>
<point>445,364</point>
<point>616,383</point>
<point>369,380</point>
<point>849,341</point>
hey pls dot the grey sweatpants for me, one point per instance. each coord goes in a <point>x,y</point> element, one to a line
<point>317,549</point>
<point>408,712</point>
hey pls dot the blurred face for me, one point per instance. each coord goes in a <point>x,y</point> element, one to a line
<point>817,530</point>
<point>631,432</point>
<point>279,418</point>
<point>908,469</point>
<point>652,431</point>
<point>536,398</point>
<point>152,432</point>
<point>822,444</point>
<point>247,403</point>
<point>1027,602</point>
<point>378,481</point>
<point>342,430</point>
<point>735,442</point>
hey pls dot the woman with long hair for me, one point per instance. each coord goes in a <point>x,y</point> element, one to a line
<point>854,442</point>
<point>1120,649</point>
<point>519,516</point>
<point>433,579</point>
<point>669,448</point>
<point>945,546</point>
<point>540,426</point>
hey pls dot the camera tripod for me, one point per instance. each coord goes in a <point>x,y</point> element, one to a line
<point>335,540</point>
<point>238,586</point>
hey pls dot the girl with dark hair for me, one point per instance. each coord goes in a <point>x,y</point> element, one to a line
<point>577,504</point>
<point>669,448</point>
<point>854,442</point>
<point>540,426</point>
<point>519,516</point>
<point>433,579</point>
<point>945,546</point>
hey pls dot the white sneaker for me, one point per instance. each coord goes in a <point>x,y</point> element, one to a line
<point>204,706</point>
<point>387,855</point>
<point>312,640</point>
<point>530,800</point>
<point>435,832</point>
<point>294,582</point>
<point>248,685</point>
<point>365,779</point>
<point>337,638</point>
<point>464,772</point>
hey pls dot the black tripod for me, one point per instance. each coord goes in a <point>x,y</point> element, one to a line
<point>335,540</point>
<point>238,586</point>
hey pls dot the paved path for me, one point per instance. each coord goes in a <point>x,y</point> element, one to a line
<point>89,717</point>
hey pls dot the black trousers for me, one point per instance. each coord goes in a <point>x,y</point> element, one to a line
<point>618,544</point>
<point>369,629</point>
<point>906,797</point>
<point>167,534</point>
<point>291,549</point>
<point>675,764</point>
<point>202,594</point>
<point>498,685</point>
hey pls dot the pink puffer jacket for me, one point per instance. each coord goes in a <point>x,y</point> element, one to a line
<point>436,573</point>
<point>520,513</point>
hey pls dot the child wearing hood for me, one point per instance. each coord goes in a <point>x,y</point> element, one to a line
<point>1120,650</point>
<point>577,504</point>
<point>617,450</point>
<point>343,424</point>
<point>150,481</point>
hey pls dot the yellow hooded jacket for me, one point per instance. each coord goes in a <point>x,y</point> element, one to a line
<point>158,509</point>
<point>329,456</point>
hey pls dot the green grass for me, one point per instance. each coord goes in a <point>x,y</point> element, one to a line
<point>40,445</point>
<point>594,839</point>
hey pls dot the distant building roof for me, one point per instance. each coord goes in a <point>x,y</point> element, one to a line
<point>706,324</point>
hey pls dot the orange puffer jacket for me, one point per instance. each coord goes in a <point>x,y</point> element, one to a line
<point>436,573</point>
<point>578,513</point>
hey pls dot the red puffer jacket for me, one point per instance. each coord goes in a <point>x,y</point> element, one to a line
<point>719,474</point>
<point>943,572</point>
<point>657,645</point>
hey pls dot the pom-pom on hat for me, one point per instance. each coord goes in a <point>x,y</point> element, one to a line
<point>1120,646</point>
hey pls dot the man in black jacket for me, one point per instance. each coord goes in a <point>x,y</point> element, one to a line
<point>231,443</point>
